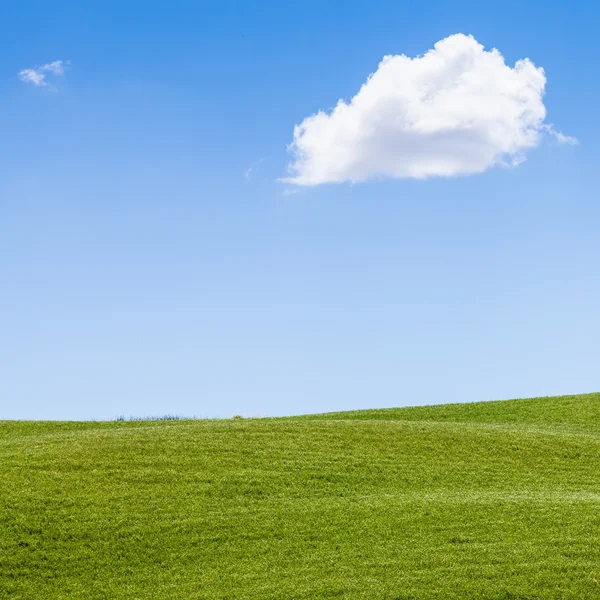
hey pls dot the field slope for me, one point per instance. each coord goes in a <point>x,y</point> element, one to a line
<point>475,501</point>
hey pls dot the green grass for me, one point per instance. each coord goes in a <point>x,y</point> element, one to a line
<point>475,501</point>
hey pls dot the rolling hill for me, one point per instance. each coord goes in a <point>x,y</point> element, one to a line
<point>495,500</point>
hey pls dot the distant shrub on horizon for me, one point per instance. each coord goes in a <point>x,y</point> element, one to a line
<point>155,418</point>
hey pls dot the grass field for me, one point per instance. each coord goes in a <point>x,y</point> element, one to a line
<point>475,501</point>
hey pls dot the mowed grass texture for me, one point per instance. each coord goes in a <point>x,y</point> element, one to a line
<point>475,501</point>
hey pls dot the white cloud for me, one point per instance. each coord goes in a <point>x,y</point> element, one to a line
<point>32,76</point>
<point>563,139</point>
<point>37,76</point>
<point>57,67</point>
<point>456,110</point>
<point>252,169</point>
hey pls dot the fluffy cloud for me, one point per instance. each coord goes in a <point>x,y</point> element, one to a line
<point>32,76</point>
<point>456,110</point>
<point>57,67</point>
<point>37,76</point>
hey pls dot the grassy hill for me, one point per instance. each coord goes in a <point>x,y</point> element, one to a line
<point>478,501</point>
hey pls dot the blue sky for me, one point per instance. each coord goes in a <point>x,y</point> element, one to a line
<point>145,271</point>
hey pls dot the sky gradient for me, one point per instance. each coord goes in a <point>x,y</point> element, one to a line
<point>152,261</point>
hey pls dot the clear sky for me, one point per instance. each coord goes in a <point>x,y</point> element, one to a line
<point>152,262</point>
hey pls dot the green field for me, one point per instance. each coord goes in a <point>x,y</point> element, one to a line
<point>495,500</point>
